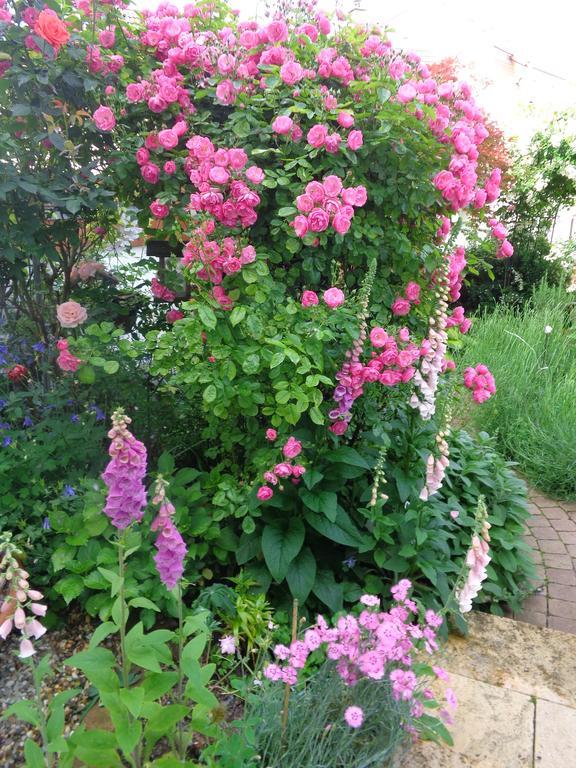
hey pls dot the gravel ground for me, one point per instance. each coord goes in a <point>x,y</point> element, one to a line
<point>16,684</point>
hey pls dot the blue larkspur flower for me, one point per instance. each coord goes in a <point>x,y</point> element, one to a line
<point>46,524</point>
<point>39,346</point>
<point>75,418</point>
<point>27,421</point>
<point>68,491</point>
<point>350,562</point>
<point>6,442</point>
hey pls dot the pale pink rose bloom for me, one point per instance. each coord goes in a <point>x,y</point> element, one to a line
<point>355,140</point>
<point>264,493</point>
<point>333,297</point>
<point>282,124</point>
<point>401,307</point>
<point>255,174</point>
<point>378,337</point>
<point>271,434</point>
<point>104,119</point>
<point>345,119</point>
<point>70,314</point>
<point>292,448</point>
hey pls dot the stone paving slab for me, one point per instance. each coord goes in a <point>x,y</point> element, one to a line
<point>555,736</point>
<point>493,728</point>
<point>516,685</point>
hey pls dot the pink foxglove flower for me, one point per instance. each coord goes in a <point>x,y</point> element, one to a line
<point>19,599</point>
<point>171,547</point>
<point>124,474</point>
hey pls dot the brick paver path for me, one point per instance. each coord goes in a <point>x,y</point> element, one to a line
<point>552,537</point>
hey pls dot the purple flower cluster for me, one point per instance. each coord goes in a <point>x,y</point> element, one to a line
<point>171,547</point>
<point>124,474</point>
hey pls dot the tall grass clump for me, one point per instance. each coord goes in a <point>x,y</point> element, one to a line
<point>532,354</point>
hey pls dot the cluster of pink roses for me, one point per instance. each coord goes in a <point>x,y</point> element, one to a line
<point>66,361</point>
<point>392,366</point>
<point>325,203</point>
<point>214,260</point>
<point>333,298</point>
<point>500,232</point>
<point>458,320</point>
<point>457,265</point>
<point>481,382</point>
<point>319,136</point>
<point>220,178</point>
<point>291,449</point>
<point>402,305</point>
<point>377,645</point>
<point>161,291</point>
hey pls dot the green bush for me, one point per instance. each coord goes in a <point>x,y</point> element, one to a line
<point>532,413</point>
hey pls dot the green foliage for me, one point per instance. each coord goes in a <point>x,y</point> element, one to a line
<point>543,185</point>
<point>316,732</point>
<point>532,413</point>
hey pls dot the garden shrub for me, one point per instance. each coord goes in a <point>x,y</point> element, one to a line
<point>311,178</point>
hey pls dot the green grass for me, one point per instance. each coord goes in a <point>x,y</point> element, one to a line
<point>533,413</point>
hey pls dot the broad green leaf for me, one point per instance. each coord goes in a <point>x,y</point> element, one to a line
<point>143,602</point>
<point>326,589</point>
<point>33,755</point>
<point>302,575</point>
<point>24,710</point>
<point>207,317</point>
<point>281,543</point>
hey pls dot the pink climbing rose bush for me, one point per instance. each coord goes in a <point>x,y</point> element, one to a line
<point>310,179</point>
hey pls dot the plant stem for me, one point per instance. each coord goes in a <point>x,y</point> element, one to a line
<point>121,597</point>
<point>287,686</point>
<point>43,725</point>
<point>179,689</point>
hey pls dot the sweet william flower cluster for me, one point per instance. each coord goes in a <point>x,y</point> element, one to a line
<point>375,645</point>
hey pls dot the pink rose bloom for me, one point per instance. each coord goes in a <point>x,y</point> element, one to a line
<point>70,314</point>
<point>304,203</point>
<point>270,477</point>
<point>292,448</point>
<point>361,196</point>
<point>318,220</point>
<point>271,434</point>
<point>150,172</point>
<point>316,136</point>
<point>282,125</point>
<point>332,185</point>
<point>283,470</point>
<point>300,225</point>
<point>169,167</point>
<point>338,428</point>
<point>66,361</point>
<point>134,92</point>
<point>255,174</point>
<point>355,140</point>
<point>168,138</point>
<point>345,119</point>
<point>401,307</point>
<point>104,119</point>
<point>309,299</point>
<point>173,315</point>
<point>316,191</point>
<point>248,255</point>
<point>107,38</point>
<point>225,92</point>
<point>332,143</point>
<point>291,72</point>
<point>378,337</point>
<point>406,93</point>
<point>159,210</point>
<point>264,493</point>
<point>333,297</point>
<point>296,134</point>
<point>142,156</point>
<point>506,250</point>
<point>341,223</point>
<point>237,158</point>
<point>219,175</point>
<point>404,335</point>
<point>231,266</point>
<point>412,292</point>
<point>277,31</point>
